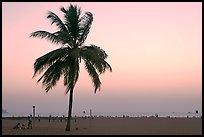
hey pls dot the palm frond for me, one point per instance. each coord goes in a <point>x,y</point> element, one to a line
<point>97,57</point>
<point>51,75</point>
<point>48,59</point>
<point>94,75</point>
<point>63,10</point>
<point>84,27</point>
<point>71,20</point>
<point>66,38</point>
<point>64,32</point>
<point>45,34</point>
<point>55,19</point>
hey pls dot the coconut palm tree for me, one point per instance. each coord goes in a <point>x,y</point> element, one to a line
<point>64,61</point>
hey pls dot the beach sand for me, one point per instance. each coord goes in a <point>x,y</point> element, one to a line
<point>108,126</point>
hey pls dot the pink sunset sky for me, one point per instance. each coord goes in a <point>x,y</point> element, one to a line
<point>154,50</point>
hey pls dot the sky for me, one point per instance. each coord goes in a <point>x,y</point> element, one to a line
<point>155,50</point>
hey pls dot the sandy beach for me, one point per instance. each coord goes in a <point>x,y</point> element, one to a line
<point>108,126</point>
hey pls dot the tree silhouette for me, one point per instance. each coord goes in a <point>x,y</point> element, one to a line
<point>64,61</point>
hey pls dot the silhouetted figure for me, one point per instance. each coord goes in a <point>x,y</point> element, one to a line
<point>156,115</point>
<point>17,126</point>
<point>22,126</point>
<point>29,123</point>
<point>38,118</point>
<point>63,118</point>
<point>50,117</point>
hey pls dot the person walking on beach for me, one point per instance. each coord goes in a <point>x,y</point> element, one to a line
<point>29,123</point>
<point>50,117</point>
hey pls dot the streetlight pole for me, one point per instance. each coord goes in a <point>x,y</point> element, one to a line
<point>33,115</point>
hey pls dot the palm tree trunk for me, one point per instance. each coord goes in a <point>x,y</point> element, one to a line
<point>70,110</point>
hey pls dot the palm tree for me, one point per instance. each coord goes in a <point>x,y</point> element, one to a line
<point>64,61</point>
